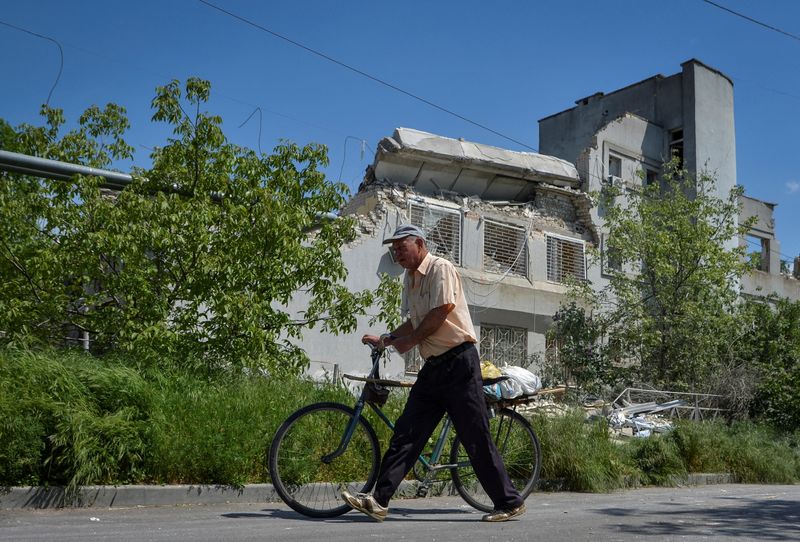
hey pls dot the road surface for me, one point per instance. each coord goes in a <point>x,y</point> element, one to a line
<point>720,512</point>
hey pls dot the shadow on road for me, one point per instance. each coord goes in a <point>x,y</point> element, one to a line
<point>752,519</point>
<point>442,515</point>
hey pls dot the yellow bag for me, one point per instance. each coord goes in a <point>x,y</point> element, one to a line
<point>489,371</point>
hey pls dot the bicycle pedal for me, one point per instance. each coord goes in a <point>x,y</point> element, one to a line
<point>422,491</point>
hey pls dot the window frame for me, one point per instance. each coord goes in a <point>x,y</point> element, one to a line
<point>609,267</point>
<point>562,274</point>
<point>522,356</point>
<point>522,252</point>
<point>456,257</point>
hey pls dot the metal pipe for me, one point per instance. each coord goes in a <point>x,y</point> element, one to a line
<point>59,171</point>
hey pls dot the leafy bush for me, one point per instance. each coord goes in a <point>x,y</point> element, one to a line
<point>770,341</point>
<point>703,446</point>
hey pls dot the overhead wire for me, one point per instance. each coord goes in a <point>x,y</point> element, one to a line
<point>757,244</point>
<point>256,107</point>
<point>752,20</point>
<point>60,52</point>
<point>260,119</point>
<point>363,73</point>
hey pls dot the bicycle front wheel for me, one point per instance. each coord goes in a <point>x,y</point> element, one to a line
<point>518,446</point>
<point>302,471</point>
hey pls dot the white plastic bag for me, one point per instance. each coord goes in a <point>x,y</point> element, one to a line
<point>528,382</point>
<point>510,388</point>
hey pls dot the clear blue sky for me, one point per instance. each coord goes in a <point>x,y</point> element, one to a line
<point>502,64</point>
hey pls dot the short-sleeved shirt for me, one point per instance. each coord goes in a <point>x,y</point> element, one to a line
<point>433,284</point>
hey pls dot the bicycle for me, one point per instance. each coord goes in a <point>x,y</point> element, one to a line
<point>323,448</point>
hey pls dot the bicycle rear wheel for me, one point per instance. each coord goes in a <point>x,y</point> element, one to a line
<point>517,444</point>
<point>305,478</point>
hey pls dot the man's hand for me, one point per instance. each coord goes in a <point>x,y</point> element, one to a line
<point>401,344</point>
<point>373,340</point>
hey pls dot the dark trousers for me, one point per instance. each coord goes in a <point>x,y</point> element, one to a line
<point>452,385</point>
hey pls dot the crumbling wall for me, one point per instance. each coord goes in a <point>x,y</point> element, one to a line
<point>555,209</point>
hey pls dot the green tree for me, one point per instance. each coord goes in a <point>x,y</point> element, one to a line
<point>196,259</point>
<point>583,355</point>
<point>669,308</point>
<point>768,344</point>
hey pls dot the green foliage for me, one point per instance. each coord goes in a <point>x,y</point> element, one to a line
<point>703,446</point>
<point>669,309</point>
<point>71,419</point>
<point>769,342</point>
<point>577,456</point>
<point>219,430</point>
<point>657,460</point>
<point>388,297</point>
<point>582,353</point>
<point>758,455</point>
<point>193,262</point>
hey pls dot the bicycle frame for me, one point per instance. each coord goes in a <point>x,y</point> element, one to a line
<point>431,464</point>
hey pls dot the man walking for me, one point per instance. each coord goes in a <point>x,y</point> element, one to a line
<point>440,326</point>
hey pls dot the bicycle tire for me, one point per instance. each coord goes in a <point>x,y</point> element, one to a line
<point>517,444</point>
<point>300,477</point>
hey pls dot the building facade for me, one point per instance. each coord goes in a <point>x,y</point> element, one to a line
<point>518,225</point>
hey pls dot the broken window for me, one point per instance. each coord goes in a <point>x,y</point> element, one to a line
<point>758,252</point>
<point>505,248</point>
<point>442,227</point>
<point>650,177</point>
<point>504,345</point>
<point>565,258</point>
<point>676,145</point>
<point>614,166</point>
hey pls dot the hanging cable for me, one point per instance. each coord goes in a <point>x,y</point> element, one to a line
<point>364,74</point>
<point>60,52</point>
<point>765,25</point>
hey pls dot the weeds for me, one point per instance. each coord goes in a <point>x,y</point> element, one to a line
<point>577,456</point>
<point>70,419</point>
<point>657,461</point>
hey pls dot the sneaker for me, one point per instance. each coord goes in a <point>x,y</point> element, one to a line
<point>505,515</point>
<point>366,503</point>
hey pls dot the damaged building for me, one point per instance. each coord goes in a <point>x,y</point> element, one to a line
<point>516,225</point>
<point>626,136</point>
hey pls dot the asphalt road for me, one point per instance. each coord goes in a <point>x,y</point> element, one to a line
<point>718,512</point>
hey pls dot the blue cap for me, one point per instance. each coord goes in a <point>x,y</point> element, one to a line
<point>405,230</point>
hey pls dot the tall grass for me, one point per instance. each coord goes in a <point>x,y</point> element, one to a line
<point>219,431</point>
<point>578,456</point>
<point>756,454</point>
<point>70,419</point>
